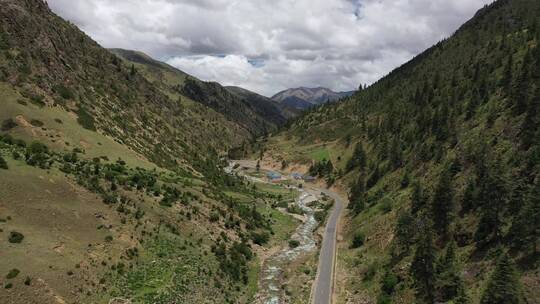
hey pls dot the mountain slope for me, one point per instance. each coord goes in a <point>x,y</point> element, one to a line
<point>262,101</point>
<point>441,162</point>
<point>111,188</point>
<point>252,112</point>
<point>303,98</point>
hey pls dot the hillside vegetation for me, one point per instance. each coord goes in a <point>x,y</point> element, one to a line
<point>52,64</point>
<point>111,181</point>
<point>442,162</point>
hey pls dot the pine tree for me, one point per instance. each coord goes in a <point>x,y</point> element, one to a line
<point>358,158</point>
<point>468,201</point>
<point>441,204</point>
<point>418,201</point>
<point>503,286</point>
<point>519,97</point>
<point>423,268</point>
<point>531,123</point>
<point>525,229</point>
<point>450,285</point>
<point>492,197</point>
<point>357,195</point>
<point>404,232</point>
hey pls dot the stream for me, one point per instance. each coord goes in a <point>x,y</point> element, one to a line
<point>273,268</point>
<point>270,291</point>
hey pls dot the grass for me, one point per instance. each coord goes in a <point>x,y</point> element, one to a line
<point>62,136</point>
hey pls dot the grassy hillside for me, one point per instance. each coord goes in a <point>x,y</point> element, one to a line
<point>81,230</point>
<point>111,185</point>
<point>441,159</point>
<point>247,111</point>
<point>52,64</point>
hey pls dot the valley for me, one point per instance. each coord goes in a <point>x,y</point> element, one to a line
<point>125,179</point>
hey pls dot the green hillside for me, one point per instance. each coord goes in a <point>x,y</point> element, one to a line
<point>111,185</point>
<point>441,159</point>
<point>251,113</point>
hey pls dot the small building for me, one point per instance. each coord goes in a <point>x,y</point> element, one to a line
<point>273,176</point>
<point>309,178</point>
<point>296,176</point>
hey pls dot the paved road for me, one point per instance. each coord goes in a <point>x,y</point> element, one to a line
<point>323,288</point>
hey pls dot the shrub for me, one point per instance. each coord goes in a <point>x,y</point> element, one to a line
<point>8,124</point>
<point>8,285</point>
<point>3,164</point>
<point>15,237</point>
<point>389,282</point>
<point>85,119</point>
<point>64,92</point>
<point>13,273</point>
<point>27,281</point>
<point>214,217</point>
<point>386,205</point>
<point>36,123</point>
<point>108,238</point>
<point>293,243</point>
<point>260,238</point>
<point>358,240</point>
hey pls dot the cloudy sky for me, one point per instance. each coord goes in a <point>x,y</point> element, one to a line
<point>270,45</point>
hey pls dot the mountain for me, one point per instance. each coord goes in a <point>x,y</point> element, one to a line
<point>440,160</point>
<point>111,180</point>
<point>256,99</point>
<point>252,112</point>
<point>303,98</point>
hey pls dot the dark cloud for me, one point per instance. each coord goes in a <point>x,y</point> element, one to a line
<point>338,43</point>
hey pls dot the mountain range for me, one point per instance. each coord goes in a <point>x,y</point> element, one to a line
<point>303,98</point>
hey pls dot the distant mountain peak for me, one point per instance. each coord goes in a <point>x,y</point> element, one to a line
<point>304,97</point>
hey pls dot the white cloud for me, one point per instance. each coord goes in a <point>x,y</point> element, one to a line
<point>333,43</point>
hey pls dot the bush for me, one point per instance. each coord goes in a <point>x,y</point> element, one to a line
<point>294,243</point>
<point>386,205</point>
<point>86,120</point>
<point>8,124</point>
<point>389,282</point>
<point>108,238</point>
<point>15,237</point>
<point>260,238</point>
<point>358,240</point>
<point>3,164</point>
<point>64,92</point>
<point>13,273</point>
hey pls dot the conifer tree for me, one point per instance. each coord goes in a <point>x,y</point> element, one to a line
<point>441,204</point>
<point>531,123</point>
<point>468,200</point>
<point>357,195</point>
<point>404,232</point>
<point>503,286</point>
<point>423,266</point>
<point>418,201</point>
<point>492,197</point>
<point>450,285</point>
<point>525,229</point>
<point>358,158</point>
<point>519,97</point>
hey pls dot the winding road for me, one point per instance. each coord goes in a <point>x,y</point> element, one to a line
<point>323,287</point>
